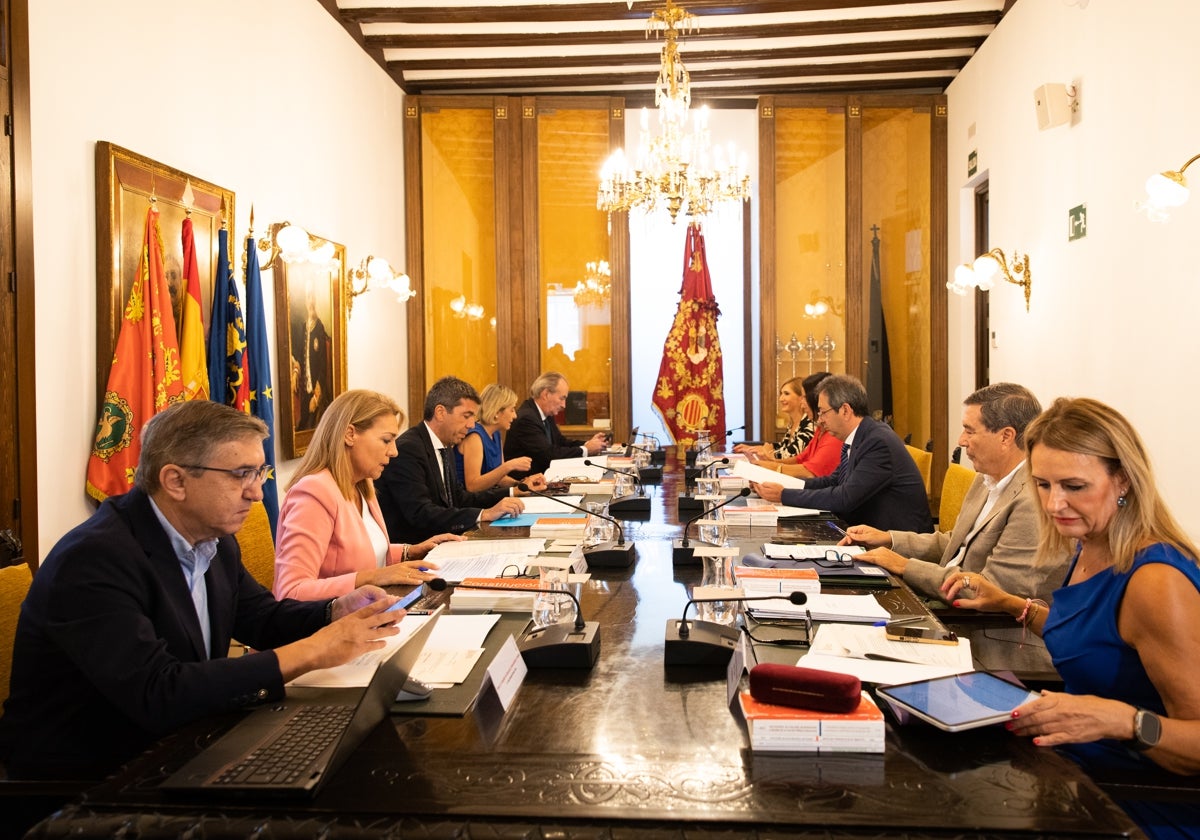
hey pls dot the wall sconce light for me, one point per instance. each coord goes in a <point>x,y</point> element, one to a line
<point>820,306</point>
<point>1165,191</point>
<point>293,244</point>
<point>1055,103</point>
<point>377,272</point>
<point>982,273</point>
<point>462,309</point>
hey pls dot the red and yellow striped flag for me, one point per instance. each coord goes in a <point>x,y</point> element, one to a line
<point>193,366</point>
<point>145,376</point>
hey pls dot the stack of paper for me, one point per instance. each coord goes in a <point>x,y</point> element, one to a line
<point>788,729</point>
<point>754,511</point>
<point>869,655</point>
<point>518,597</point>
<point>758,581</point>
<point>849,608</point>
<point>559,527</point>
<point>483,558</point>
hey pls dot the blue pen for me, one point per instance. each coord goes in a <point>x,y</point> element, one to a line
<point>835,527</point>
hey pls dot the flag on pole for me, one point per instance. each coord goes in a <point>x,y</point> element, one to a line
<point>145,376</point>
<point>689,394</point>
<point>258,362</point>
<point>193,366</point>
<point>227,375</point>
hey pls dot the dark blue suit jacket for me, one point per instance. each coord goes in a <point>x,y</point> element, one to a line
<point>410,493</point>
<point>109,655</point>
<point>879,485</point>
<point>527,436</point>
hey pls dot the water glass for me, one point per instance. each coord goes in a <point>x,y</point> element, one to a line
<point>598,529</point>
<point>713,528</point>
<point>718,575</point>
<point>709,486</point>
<point>623,484</point>
<point>702,440</point>
<point>552,609</point>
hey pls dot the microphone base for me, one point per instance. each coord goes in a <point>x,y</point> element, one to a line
<point>706,643</point>
<point>683,555</point>
<point>690,474</point>
<point>610,555</point>
<point>650,475</point>
<point>629,504</point>
<point>561,646</point>
<point>658,457</point>
<point>690,503</point>
<point>689,458</point>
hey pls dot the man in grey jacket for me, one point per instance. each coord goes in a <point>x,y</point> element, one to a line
<point>995,534</point>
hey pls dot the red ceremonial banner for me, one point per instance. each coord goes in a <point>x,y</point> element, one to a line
<point>145,375</point>
<point>690,392</point>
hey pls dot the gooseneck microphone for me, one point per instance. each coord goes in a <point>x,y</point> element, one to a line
<point>706,642</point>
<point>653,473</point>
<point>686,500</point>
<point>639,503</point>
<point>714,463</point>
<point>606,555</point>
<point>553,646</point>
<point>682,551</point>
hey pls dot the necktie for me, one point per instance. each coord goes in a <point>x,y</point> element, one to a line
<point>546,424</point>
<point>447,476</point>
<point>845,455</point>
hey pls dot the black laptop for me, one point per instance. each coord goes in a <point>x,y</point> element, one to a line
<point>292,747</point>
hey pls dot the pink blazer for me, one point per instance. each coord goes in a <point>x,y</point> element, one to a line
<point>322,541</point>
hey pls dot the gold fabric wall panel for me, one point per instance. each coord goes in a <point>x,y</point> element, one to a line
<point>458,197</point>
<point>896,197</point>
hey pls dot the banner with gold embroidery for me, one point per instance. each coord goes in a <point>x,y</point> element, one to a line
<point>689,394</point>
<point>145,375</point>
<point>193,364</point>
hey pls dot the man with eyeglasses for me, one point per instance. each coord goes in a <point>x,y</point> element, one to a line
<point>125,633</point>
<point>876,481</point>
<point>996,533</point>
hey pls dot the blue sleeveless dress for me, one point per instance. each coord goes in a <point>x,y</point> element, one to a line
<point>1089,654</point>
<point>493,452</point>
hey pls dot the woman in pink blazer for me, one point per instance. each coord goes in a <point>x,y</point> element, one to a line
<point>331,535</point>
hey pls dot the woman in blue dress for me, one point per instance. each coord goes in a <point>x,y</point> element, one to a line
<point>480,456</point>
<point>1124,629</point>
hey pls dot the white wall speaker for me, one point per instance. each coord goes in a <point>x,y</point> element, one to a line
<point>1053,104</point>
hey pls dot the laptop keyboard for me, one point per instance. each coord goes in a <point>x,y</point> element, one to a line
<point>290,755</point>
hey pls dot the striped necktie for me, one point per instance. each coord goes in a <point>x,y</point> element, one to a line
<point>447,475</point>
<point>845,455</point>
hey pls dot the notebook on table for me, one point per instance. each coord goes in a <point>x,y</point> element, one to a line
<point>290,748</point>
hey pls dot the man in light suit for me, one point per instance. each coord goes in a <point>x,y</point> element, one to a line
<point>419,492</point>
<point>876,481</point>
<point>996,533</point>
<point>125,633</point>
<point>535,434</point>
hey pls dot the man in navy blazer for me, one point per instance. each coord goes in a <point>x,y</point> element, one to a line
<point>125,633</point>
<point>535,434</point>
<point>876,482</point>
<point>419,492</point>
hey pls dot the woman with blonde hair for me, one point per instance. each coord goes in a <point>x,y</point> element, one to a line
<point>799,431</point>
<point>480,456</point>
<point>331,533</point>
<point>1125,624</point>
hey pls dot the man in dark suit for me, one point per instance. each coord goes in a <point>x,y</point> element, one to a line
<point>419,492</point>
<point>876,482</point>
<point>535,434</point>
<point>125,632</point>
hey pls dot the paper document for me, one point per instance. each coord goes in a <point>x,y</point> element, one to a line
<point>358,671</point>
<point>762,475</point>
<point>555,505</point>
<point>444,667</point>
<point>808,552</point>
<point>862,642</point>
<point>483,558</point>
<point>567,468</point>
<point>823,607</point>
<point>876,671</point>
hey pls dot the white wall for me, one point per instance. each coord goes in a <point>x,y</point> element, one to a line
<point>1112,315</point>
<point>271,99</point>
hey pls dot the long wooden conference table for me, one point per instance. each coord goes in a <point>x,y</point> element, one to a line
<point>630,749</point>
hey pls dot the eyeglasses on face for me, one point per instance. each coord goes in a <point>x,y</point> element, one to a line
<point>248,476</point>
<point>822,412</point>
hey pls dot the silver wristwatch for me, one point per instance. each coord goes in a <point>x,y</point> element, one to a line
<point>1147,730</point>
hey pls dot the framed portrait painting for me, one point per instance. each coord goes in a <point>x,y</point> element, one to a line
<point>310,325</point>
<point>126,183</point>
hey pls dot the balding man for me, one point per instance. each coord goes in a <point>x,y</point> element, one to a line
<point>535,434</point>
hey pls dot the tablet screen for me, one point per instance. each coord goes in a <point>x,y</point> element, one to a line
<point>961,701</point>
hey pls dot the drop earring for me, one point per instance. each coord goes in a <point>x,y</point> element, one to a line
<point>1121,500</point>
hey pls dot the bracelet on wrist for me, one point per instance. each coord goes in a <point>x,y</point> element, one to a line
<point>404,552</point>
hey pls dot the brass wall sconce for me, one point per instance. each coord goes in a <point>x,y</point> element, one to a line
<point>1165,191</point>
<point>377,272</point>
<point>293,244</point>
<point>982,273</point>
<point>819,306</point>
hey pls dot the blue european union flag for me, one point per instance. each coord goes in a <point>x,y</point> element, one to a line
<point>262,397</point>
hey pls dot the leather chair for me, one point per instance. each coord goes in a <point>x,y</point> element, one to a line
<point>14,585</point>
<point>258,546</point>
<point>924,462</point>
<point>954,489</point>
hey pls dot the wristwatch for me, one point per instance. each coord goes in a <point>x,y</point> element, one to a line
<point>1147,730</point>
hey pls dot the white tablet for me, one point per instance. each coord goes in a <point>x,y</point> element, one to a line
<point>960,701</point>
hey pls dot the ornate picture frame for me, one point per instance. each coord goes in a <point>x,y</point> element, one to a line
<point>125,184</point>
<point>310,327</point>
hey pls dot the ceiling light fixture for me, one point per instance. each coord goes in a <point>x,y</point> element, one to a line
<point>982,273</point>
<point>595,288</point>
<point>1165,191</point>
<point>675,167</point>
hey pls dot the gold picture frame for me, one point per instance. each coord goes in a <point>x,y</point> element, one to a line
<point>125,184</point>
<point>310,328</point>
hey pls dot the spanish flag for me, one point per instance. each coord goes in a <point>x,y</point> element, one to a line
<point>145,376</point>
<point>193,365</point>
<point>689,394</point>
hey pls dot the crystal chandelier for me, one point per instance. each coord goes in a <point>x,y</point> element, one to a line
<point>675,167</point>
<point>596,287</point>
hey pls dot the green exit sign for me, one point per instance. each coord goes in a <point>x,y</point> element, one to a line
<point>1077,223</point>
